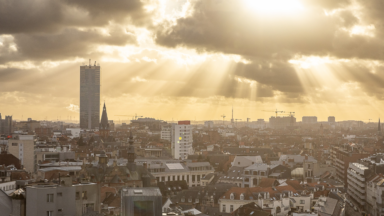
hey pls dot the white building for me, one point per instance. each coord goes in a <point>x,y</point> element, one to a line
<point>192,173</point>
<point>181,140</point>
<point>75,132</point>
<point>356,179</point>
<point>166,132</point>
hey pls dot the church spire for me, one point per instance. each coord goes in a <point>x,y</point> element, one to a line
<point>104,125</point>
<point>379,127</point>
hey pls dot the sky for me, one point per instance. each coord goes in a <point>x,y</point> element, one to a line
<point>194,59</point>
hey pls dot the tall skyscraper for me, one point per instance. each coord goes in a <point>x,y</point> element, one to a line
<point>89,96</point>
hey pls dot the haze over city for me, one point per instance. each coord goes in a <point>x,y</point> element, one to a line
<point>180,59</point>
<point>191,108</point>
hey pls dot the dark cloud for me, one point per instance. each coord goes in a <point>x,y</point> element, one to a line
<point>53,15</point>
<point>66,44</point>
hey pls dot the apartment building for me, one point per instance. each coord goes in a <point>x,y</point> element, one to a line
<point>23,147</point>
<point>342,156</point>
<point>357,175</point>
<point>181,140</point>
<point>62,199</point>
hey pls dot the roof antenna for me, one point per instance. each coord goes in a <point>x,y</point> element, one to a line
<point>89,62</point>
<point>95,64</point>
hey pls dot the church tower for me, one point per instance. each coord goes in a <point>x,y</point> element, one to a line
<point>104,125</point>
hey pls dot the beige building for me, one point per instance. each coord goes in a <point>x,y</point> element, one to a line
<point>23,147</point>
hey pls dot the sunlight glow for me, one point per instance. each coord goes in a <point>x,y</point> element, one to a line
<point>274,6</point>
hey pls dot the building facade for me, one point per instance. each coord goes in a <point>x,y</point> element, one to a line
<point>341,157</point>
<point>357,177</point>
<point>181,140</point>
<point>89,96</point>
<point>141,201</point>
<point>23,147</point>
<point>63,199</point>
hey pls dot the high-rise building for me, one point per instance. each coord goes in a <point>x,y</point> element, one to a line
<point>331,119</point>
<point>181,140</point>
<point>89,96</point>
<point>6,125</point>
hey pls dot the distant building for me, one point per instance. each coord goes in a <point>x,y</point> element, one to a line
<point>141,202</point>
<point>181,140</point>
<point>281,122</point>
<point>89,96</point>
<point>309,119</point>
<point>23,147</point>
<point>28,126</point>
<point>331,119</point>
<point>208,124</point>
<point>151,123</point>
<point>6,125</point>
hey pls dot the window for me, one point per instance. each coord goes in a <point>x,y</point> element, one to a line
<point>189,199</point>
<point>59,194</point>
<point>231,208</point>
<point>197,200</point>
<point>49,197</point>
<point>232,196</point>
<point>77,195</point>
<point>49,213</point>
<point>223,210</point>
<point>238,163</point>
<point>183,199</point>
<point>241,196</point>
<point>84,195</point>
<point>302,201</point>
<point>278,209</point>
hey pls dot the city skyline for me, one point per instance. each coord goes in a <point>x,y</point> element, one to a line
<point>314,58</point>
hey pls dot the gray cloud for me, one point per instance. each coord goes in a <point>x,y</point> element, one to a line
<point>53,15</point>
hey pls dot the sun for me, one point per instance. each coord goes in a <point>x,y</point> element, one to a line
<point>274,7</point>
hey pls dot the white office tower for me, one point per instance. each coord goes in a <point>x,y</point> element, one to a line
<point>181,140</point>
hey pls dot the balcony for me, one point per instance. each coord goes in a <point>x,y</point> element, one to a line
<point>355,181</point>
<point>355,187</point>
<point>356,175</point>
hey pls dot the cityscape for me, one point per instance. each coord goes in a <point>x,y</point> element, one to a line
<point>191,108</point>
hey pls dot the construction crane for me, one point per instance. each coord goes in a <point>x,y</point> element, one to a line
<point>276,111</point>
<point>223,116</point>
<point>135,116</point>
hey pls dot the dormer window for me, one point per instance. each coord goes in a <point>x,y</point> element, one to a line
<point>232,196</point>
<point>196,200</point>
<point>241,196</point>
